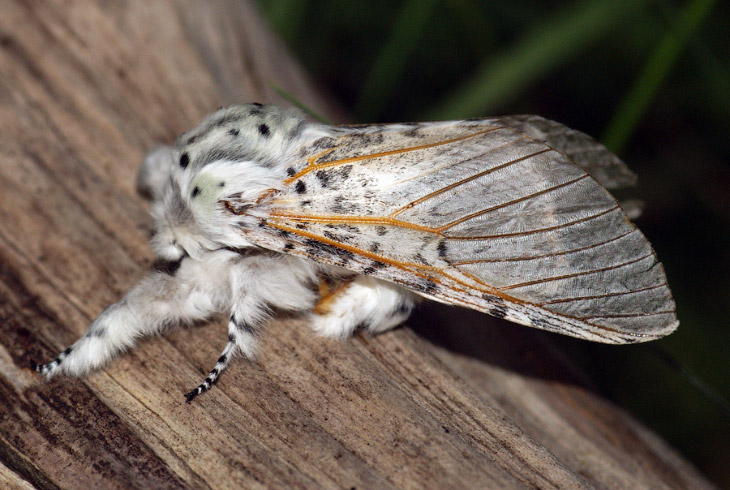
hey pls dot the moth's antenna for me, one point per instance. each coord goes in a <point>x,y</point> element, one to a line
<point>720,402</point>
<point>308,110</point>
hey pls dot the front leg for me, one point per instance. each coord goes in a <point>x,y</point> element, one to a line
<point>194,291</point>
<point>259,285</point>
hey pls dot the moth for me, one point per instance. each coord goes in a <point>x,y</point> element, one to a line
<point>259,210</point>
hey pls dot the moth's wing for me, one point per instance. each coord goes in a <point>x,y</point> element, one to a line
<point>475,213</point>
<point>608,169</point>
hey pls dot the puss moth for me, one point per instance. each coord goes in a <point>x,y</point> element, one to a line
<point>259,210</point>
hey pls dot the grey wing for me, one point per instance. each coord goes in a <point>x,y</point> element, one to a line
<point>482,214</point>
<point>590,155</point>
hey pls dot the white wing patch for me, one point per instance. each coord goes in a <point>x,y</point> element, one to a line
<point>487,214</point>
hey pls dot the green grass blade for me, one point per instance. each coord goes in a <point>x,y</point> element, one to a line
<point>552,43</point>
<point>391,62</point>
<point>297,103</point>
<point>656,69</point>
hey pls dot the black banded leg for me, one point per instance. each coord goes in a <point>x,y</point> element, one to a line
<point>50,368</point>
<point>241,339</point>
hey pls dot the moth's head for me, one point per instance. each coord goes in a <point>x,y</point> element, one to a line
<point>238,153</point>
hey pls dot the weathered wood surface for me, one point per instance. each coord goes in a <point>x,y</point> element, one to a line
<point>85,89</point>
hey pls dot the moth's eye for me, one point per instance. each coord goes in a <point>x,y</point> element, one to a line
<point>184,160</point>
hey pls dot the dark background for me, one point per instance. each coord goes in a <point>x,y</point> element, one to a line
<point>650,79</point>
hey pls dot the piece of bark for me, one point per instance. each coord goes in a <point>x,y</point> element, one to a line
<point>86,88</point>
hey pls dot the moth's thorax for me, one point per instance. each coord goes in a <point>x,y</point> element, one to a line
<point>254,132</point>
<point>239,152</point>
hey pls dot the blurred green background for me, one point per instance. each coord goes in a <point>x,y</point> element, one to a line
<point>649,78</point>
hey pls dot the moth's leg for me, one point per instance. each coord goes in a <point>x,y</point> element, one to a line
<point>364,302</point>
<point>155,171</point>
<point>193,292</point>
<point>260,284</point>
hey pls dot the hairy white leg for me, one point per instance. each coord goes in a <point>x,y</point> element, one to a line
<point>363,302</point>
<point>196,290</point>
<point>260,284</point>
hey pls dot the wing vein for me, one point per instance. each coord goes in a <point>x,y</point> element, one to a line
<point>606,295</point>
<point>466,180</point>
<point>509,203</point>
<point>312,165</point>
<point>631,315</point>
<point>538,230</point>
<point>576,274</point>
<point>554,254</point>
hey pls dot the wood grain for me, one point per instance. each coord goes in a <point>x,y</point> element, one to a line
<point>86,88</point>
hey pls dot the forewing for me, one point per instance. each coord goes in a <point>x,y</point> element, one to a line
<point>477,213</point>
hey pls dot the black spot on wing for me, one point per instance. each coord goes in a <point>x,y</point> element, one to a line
<point>427,286</point>
<point>264,130</point>
<point>300,187</point>
<point>318,249</point>
<point>442,249</point>
<point>498,308</point>
<point>324,178</point>
<point>498,311</point>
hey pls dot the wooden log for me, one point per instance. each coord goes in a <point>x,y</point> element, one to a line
<point>86,88</point>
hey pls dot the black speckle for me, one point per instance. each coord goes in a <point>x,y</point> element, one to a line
<point>233,132</point>
<point>375,247</point>
<point>221,359</point>
<point>284,233</point>
<point>323,177</point>
<point>378,264</point>
<point>257,104</point>
<point>428,286</point>
<point>214,372</point>
<point>368,271</point>
<point>221,184</point>
<point>498,311</point>
<point>192,140</point>
<point>420,259</point>
<point>301,226</point>
<point>264,130</point>
<point>184,160</point>
<point>231,338</point>
<point>67,351</point>
<point>306,203</point>
<point>540,323</point>
<point>291,172</point>
<point>381,230</point>
<point>300,187</point>
<point>288,247</point>
<point>442,248</point>
<point>318,249</point>
<point>196,191</point>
